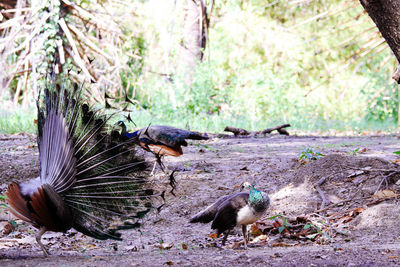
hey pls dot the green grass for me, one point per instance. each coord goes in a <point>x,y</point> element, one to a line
<point>18,121</point>
<point>21,120</point>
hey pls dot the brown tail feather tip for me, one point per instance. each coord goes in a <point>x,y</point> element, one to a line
<point>18,205</point>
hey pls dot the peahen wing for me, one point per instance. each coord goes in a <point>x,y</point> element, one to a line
<point>226,217</point>
<point>208,214</point>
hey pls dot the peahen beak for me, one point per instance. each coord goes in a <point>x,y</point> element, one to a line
<point>242,186</point>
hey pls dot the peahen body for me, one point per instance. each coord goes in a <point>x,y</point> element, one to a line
<point>239,209</point>
<point>89,180</point>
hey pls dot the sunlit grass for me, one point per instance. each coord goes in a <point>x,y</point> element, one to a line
<point>21,120</point>
<point>18,120</point>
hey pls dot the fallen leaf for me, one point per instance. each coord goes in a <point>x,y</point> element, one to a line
<point>169,263</point>
<point>393,257</point>
<point>236,245</point>
<point>214,235</point>
<point>259,238</point>
<point>254,230</point>
<point>184,246</point>
<point>164,245</point>
<point>384,193</point>
<point>132,248</point>
<point>282,244</point>
<point>8,228</point>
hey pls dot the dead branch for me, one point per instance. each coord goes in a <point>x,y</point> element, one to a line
<point>240,131</point>
<point>75,54</point>
<point>279,128</point>
<point>93,46</point>
<point>236,131</point>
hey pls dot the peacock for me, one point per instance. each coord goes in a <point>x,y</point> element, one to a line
<point>91,179</point>
<point>239,209</point>
<point>162,140</point>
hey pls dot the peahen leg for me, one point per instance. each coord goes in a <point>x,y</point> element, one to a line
<point>244,230</point>
<point>38,239</point>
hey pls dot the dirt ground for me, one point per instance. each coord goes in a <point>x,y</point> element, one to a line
<point>356,226</point>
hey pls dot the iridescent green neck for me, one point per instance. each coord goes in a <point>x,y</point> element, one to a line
<point>255,195</point>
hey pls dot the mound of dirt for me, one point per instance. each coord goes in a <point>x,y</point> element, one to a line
<point>373,216</point>
<point>346,177</point>
<point>337,167</point>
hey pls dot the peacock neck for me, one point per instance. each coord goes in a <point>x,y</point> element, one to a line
<point>123,129</point>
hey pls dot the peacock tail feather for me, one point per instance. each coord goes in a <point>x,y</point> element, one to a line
<point>101,176</point>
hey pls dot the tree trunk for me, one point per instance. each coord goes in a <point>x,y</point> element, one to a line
<point>386,16</point>
<point>195,28</point>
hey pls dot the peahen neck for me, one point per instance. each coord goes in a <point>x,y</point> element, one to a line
<point>256,199</point>
<point>255,195</point>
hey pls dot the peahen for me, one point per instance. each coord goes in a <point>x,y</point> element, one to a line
<point>89,180</point>
<point>239,209</point>
<point>162,140</point>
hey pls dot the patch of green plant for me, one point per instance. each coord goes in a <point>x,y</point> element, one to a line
<point>310,154</point>
<point>213,149</point>
<point>354,152</point>
<point>318,229</point>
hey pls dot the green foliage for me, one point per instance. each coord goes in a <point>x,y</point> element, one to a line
<point>309,154</point>
<point>261,69</point>
<point>382,99</point>
<point>17,121</point>
<point>262,66</point>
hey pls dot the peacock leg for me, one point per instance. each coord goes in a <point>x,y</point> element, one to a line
<point>38,239</point>
<point>225,237</point>
<point>244,230</point>
<point>154,167</point>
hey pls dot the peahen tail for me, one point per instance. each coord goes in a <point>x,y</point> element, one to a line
<point>208,214</point>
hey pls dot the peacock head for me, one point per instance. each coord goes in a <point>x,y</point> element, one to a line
<point>120,123</point>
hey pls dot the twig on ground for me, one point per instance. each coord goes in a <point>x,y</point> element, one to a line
<point>321,192</point>
<point>340,203</point>
<point>385,178</point>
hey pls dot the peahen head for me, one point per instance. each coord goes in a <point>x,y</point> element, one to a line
<point>255,196</point>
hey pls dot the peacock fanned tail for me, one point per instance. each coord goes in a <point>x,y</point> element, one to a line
<point>100,176</point>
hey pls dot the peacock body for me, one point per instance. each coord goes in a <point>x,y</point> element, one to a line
<point>161,139</point>
<point>90,179</point>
